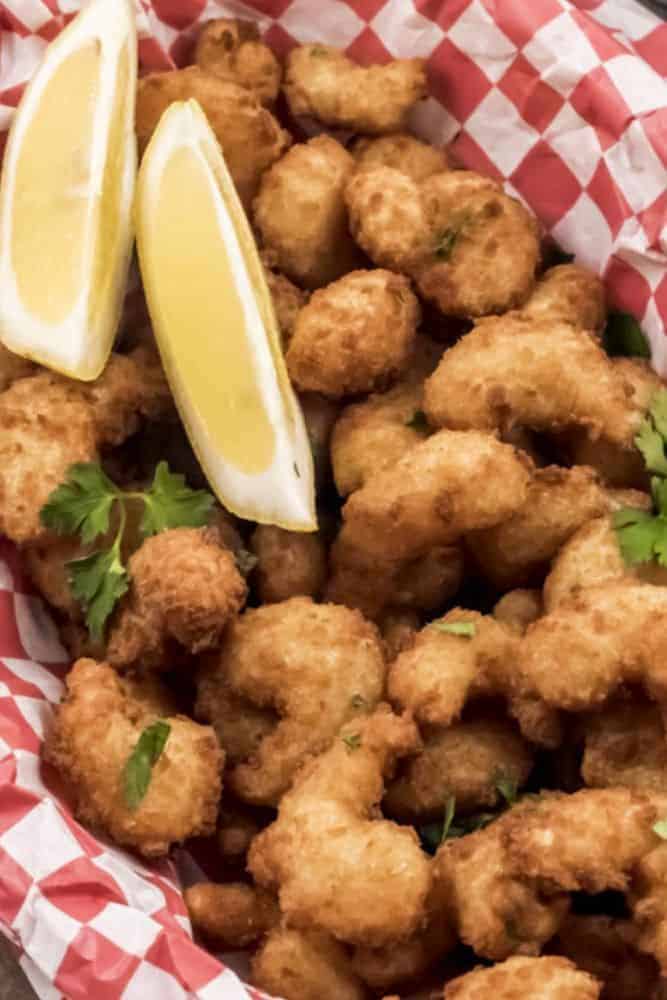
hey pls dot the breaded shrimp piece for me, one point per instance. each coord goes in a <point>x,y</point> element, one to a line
<point>495,911</point>
<point>300,214</point>
<point>470,248</point>
<point>589,841</point>
<point>625,745</point>
<point>322,83</point>
<point>46,562</point>
<point>450,484</point>
<point>356,335</point>
<point>249,135</point>
<point>361,879</point>
<point>576,656</point>
<point>542,374</point>
<point>231,48</point>
<point>519,608</point>
<point>403,152</point>
<point>289,563</point>
<point>517,552</point>
<point>95,731</point>
<point>304,965</point>
<point>649,902</point>
<point>465,761</point>
<point>287,300</point>
<point>547,978</point>
<point>231,915</point>
<point>184,589</point>
<point>237,827</point>
<point>398,628</point>
<point>316,665</point>
<point>571,294</point>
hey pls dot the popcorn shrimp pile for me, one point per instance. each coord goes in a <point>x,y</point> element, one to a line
<point>424,748</point>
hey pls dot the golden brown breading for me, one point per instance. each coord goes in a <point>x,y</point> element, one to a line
<point>470,248</point>
<point>361,879</point>
<point>96,729</point>
<point>300,213</point>
<point>519,608</point>
<point>571,294</point>
<point>289,563</point>
<point>576,656</point>
<point>304,965</point>
<point>184,588</point>
<point>543,374</point>
<point>322,83</point>
<point>525,979</point>
<point>398,628</point>
<point>452,483</point>
<point>237,827</point>
<point>231,915</point>
<point>249,135</point>
<point>46,562</point>
<point>356,335</point>
<point>607,949</point>
<point>403,152</point>
<point>316,665</point>
<point>649,902</point>
<point>517,552</point>
<point>231,48</point>
<point>287,301</point>
<point>496,911</point>
<point>465,761</point>
<point>13,367</point>
<point>625,745</point>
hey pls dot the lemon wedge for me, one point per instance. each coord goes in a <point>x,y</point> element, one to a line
<point>215,326</point>
<point>66,195</point>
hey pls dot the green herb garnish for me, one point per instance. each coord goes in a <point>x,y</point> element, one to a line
<point>139,766</point>
<point>358,702</point>
<point>661,828</point>
<point>352,741</point>
<point>508,789</point>
<point>445,242</point>
<point>623,337</point>
<point>418,422</point>
<point>467,629</point>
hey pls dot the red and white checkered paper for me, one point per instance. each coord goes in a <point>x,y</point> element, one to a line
<point>566,102</point>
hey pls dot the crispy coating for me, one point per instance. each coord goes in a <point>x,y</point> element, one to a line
<point>322,83</point>
<point>231,48</point>
<point>649,902</point>
<point>356,335</point>
<point>300,213</point>
<point>464,761</point>
<point>46,561</point>
<point>548,978</point>
<point>398,628</point>
<point>231,915</point>
<point>287,300</point>
<point>496,912</point>
<point>452,483</point>
<point>543,374</point>
<point>96,729</point>
<point>403,152</point>
<point>589,841</point>
<point>519,608</point>
<point>576,656</point>
<point>470,248</point>
<point>625,745</point>
<point>184,589</point>
<point>289,563</point>
<point>361,879</point>
<point>249,135</point>
<point>304,965</point>
<point>571,294</point>
<point>517,552</point>
<point>316,665</point>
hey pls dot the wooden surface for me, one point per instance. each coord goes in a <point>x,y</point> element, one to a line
<point>13,984</point>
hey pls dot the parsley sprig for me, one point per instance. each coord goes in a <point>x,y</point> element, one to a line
<point>432,835</point>
<point>83,506</point>
<point>138,768</point>
<point>642,535</point>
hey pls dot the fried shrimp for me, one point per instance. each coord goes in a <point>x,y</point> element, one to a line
<point>322,83</point>
<point>289,563</point>
<point>356,335</point>
<point>398,628</point>
<point>569,294</point>
<point>249,135</point>
<point>402,152</point>
<point>361,879</point>
<point>304,965</point>
<point>547,978</point>
<point>542,374</point>
<point>287,300</point>
<point>231,915</point>
<point>317,666</point>
<point>649,902</point>
<point>467,761</point>
<point>184,589</point>
<point>300,213</point>
<point>518,609</point>
<point>625,745</point>
<point>470,248</point>
<point>96,729</point>
<point>452,483</point>
<point>231,49</point>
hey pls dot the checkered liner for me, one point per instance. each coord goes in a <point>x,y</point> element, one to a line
<point>563,101</point>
